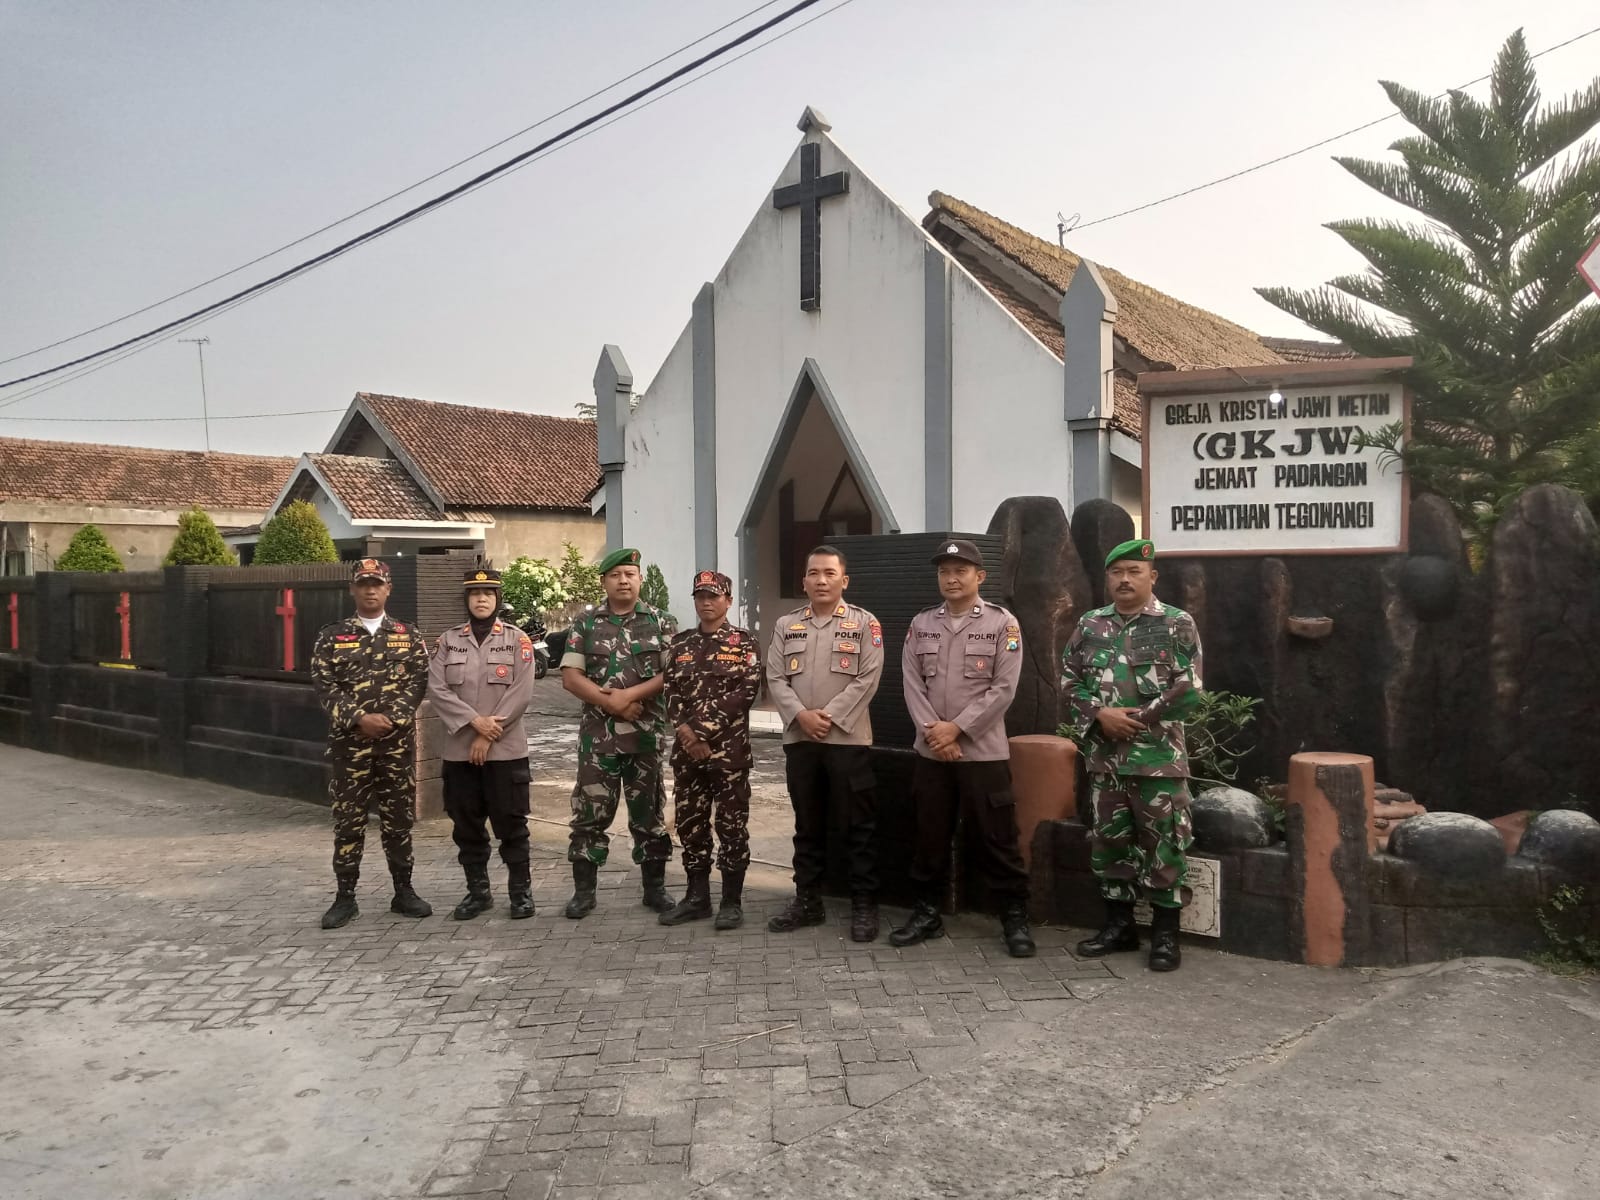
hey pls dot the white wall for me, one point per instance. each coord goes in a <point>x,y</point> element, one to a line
<point>1008,435</point>
<point>867,341</point>
<point>658,481</point>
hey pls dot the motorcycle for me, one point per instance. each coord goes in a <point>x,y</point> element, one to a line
<point>534,628</point>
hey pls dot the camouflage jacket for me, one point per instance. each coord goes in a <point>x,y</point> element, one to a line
<point>1149,662</point>
<point>712,680</point>
<point>620,651</point>
<point>357,672</point>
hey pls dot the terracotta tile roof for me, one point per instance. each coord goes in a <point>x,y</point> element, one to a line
<point>135,477</point>
<point>1307,349</point>
<point>1160,329</point>
<point>493,458</point>
<point>380,489</point>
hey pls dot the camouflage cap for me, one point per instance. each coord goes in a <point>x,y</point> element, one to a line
<point>370,568</point>
<point>480,577</point>
<point>713,582</point>
<point>626,557</point>
<point>1140,548</point>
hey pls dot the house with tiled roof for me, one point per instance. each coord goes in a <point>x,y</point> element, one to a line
<point>49,490</point>
<point>408,476</point>
<point>852,368</point>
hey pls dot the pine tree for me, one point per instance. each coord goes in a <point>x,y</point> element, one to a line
<point>198,543</point>
<point>89,551</point>
<point>653,590</point>
<point>1485,296</point>
<point>295,535</point>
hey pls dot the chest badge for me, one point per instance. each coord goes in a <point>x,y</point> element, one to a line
<point>981,664</point>
<point>844,661</point>
<point>794,664</point>
<point>501,671</point>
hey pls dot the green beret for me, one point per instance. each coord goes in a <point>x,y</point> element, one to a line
<point>1141,548</point>
<point>626,557</point>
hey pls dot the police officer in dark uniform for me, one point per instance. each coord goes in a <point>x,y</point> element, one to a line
<point>480,682</point>
<point>713,677</point>
<point>370,672</point>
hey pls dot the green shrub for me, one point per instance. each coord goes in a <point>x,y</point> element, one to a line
<point>653,590</point>
<point>198,543</point>
<point>89,551</point>
<point>295,535</point>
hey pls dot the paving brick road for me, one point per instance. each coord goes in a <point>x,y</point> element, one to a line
<point>173,1023</point>
<point>610,1056</point>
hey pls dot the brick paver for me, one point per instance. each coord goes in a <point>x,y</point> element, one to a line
<point>619,1058</point>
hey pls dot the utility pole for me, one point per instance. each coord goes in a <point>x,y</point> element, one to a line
<point>200,344</point>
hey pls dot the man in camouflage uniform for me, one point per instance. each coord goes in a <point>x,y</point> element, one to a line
<point>1131,674</point>
<point>613,662</point>
<point>713,677</point>
<point>370,673</point>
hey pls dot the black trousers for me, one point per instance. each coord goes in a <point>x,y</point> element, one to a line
<point>836,779</point>
<point>496,792</point>
<point>981,793</point>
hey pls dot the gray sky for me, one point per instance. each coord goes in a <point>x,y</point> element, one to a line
<point>149,146</point>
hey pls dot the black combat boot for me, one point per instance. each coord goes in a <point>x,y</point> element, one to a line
<point>655,887</point>
<point>584,877</point>
<point>696,902</point>
<point>406,902</point>
<point>344,908</point>
<point>1164,952</point>
<point>730,913</point>
<point>1118,934</point>
<point>478,898</point>
<point>923,923</point>
<point>1014,926</point>
<point>519,887</point>
<point>804,909</point>
<point>863,918</point>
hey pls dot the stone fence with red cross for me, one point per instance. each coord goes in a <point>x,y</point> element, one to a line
<point>199,671</point>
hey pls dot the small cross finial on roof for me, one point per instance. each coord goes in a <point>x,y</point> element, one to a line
<point>811,121</point>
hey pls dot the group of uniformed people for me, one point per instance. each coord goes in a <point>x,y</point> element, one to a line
<point>1130,675</point>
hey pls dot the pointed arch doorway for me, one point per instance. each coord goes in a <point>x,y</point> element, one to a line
<point>814,484</point>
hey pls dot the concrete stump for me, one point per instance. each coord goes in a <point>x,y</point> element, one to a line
<point>1044,778</point>
<point>1330,832</point>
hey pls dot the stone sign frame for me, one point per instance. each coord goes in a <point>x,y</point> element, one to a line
<point>1167,385</point>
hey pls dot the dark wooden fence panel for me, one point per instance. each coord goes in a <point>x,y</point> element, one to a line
<point>97,621</point>
<point>18,624</point>
<point>247,629</point>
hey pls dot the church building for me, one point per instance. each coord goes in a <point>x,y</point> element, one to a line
<point>851,370</point>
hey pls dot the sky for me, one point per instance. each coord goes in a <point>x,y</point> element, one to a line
<point>150,146</point>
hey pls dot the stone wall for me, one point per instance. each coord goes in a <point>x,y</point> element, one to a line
<point>1473,690</point>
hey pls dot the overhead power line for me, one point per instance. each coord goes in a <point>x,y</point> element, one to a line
<point>411,187</point>
<point>429,205</point>
<point>102,364</point>
<point>1272,162</point>
<point>304,412</point>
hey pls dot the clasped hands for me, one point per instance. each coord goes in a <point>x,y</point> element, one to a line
<point>1120,724</point>
<point>489,731</point>
<point>814,723</point>
<point>620,703</point>
<point>693,745</point>
<point>943,738</point>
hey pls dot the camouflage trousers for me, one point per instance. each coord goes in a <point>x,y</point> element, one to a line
<point>363,780</point>
<point>603,781</point>
<point>706,797</point>
<point>1141,832</point>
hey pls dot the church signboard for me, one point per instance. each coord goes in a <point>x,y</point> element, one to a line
<point>1272,459</point>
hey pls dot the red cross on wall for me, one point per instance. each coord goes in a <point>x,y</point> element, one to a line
<point>287,611</point>
<point>125,611</point>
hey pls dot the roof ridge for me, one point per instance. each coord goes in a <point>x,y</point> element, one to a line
<point>957,207</point>
<point>520,412</point>
<point>69,445</point>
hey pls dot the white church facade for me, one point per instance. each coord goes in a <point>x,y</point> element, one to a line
<point>850,370</point>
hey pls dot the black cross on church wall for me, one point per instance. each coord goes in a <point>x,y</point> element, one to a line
<point>808,194</point>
